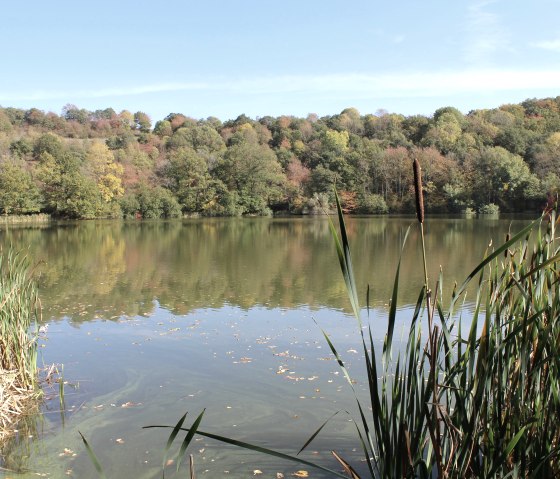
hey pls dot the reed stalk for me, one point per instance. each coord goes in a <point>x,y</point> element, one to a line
<point>18,332</point>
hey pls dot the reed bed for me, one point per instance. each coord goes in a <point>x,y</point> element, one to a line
<point>18,347</point>
<point>476,401</point>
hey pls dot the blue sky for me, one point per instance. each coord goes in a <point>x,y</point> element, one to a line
<point>293,57</point>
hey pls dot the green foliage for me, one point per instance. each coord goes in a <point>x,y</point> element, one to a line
<point>67,192</point>
<point>251,170</point>
<point>489,209</point>
<point>142,121</point>
<point>21,148</point>
<point>130,206</point>
<point>190,180</point>
<point>18,193</point>
<point>372,204</point>
<point>163,128</point>
<point>48,143</point>
<point>154,203</point>
<point>502,177</point>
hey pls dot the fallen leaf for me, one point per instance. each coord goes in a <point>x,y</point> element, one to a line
<point>256,472</point>
<point>66,452</point>
<point>301,474</point>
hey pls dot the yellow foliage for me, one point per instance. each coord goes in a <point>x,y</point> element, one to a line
<point>107,173</point>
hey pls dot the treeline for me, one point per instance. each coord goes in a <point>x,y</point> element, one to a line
<point>84,164</point>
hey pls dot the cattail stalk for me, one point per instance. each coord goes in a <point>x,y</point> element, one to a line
<point>419,196</point>
<point>418,191</point>
<point>432,332</point>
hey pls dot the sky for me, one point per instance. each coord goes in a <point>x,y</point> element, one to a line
<point>223,58</point>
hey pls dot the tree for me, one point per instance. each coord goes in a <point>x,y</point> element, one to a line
<point>444,133</point>
<point>67,192</point>
<point>252,171</point>
<point>73,113</point>
<point>18,193</point>
<point>501,177</point>
<point>21,148</point>
<point>142,122</point>
<point>158,202</point>
<point>190,180</point>
<point>106,173</point>
<point>197,137</point>
<point>48,143</point>
<point>163,128</point>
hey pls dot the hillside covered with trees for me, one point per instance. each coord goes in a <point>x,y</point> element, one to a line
<point>94,164</point>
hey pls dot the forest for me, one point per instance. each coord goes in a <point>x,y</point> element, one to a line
<point>102,164</point>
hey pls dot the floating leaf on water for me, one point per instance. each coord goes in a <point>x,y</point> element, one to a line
<point>67,452</point>
<point>300,474</point>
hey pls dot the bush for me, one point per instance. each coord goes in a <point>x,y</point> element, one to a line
<point>372,204</point>
<point>489,209</point>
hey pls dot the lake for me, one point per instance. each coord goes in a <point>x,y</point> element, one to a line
<point>148,320</point>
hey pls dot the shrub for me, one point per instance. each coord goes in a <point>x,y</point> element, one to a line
<point>372,204</point>
<point>489,209</point>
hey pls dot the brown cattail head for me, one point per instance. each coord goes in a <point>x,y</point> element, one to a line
<point>418,190</point>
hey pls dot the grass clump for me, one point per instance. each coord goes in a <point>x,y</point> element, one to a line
<point>18,347</point>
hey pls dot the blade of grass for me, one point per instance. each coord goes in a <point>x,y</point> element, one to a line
<point>93,458</point>
<point>314,435</point>
<point>170,440</point>
<point>255,448</point>
<point>189,437</point>
<point>393,308</point>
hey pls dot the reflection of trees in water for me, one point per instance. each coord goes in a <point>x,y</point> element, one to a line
<point>113,269</point>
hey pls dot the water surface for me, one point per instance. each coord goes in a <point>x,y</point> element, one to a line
<point>152,319</point>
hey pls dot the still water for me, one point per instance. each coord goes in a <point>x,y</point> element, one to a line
<point>148,320</point>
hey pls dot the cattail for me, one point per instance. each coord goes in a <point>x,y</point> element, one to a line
<point>418,191</point>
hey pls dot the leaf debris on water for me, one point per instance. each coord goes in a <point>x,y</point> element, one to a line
<point>300,474</point>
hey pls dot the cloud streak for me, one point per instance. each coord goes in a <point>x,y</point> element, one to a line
<point>407,85</point>
<point>552,45</point>
<point>485,34</point>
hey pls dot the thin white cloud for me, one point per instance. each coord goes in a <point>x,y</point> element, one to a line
<point>553,45</point>
<point>408,85</point>
<point>486,35</point>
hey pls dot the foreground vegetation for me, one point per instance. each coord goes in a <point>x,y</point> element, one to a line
<point>18,347</point>
<point>89,164</point>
